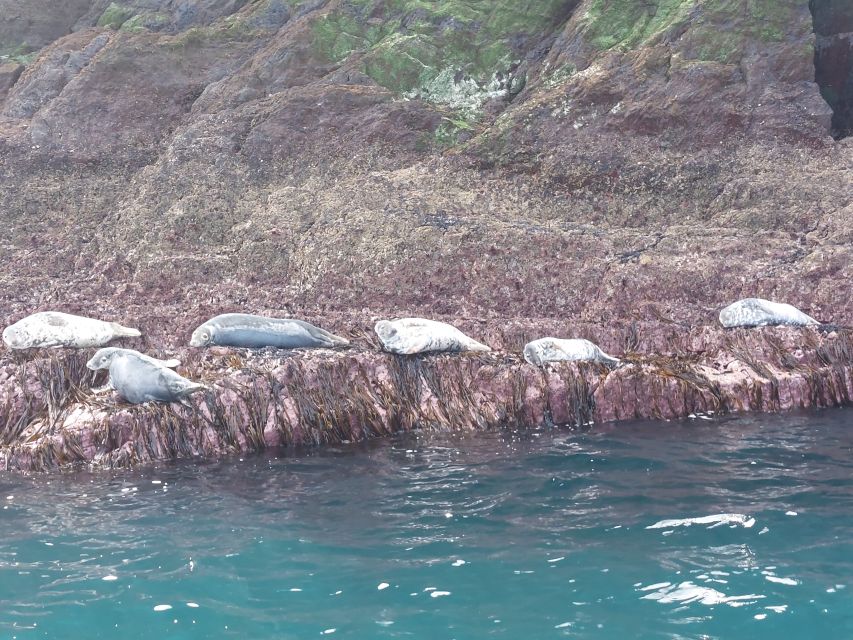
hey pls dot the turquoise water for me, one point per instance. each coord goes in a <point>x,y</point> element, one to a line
<point>539,535</point>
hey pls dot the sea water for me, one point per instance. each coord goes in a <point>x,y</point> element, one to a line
<point>739,527</point>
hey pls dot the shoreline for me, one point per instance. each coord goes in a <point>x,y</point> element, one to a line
<point>50,419</point>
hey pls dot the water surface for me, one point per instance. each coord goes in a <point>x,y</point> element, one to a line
<point>508,535</point>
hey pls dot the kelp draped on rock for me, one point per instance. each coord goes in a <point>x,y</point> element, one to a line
<point>272,399</point>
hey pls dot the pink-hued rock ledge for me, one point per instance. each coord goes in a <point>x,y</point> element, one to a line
<point>49,417</point>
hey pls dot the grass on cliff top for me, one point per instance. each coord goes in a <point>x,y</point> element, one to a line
<point>715,30</point>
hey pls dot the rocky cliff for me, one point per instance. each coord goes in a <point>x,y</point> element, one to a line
<point>603,162</point>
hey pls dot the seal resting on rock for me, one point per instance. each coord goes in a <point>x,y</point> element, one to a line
<point>55,329</point>
<point>108,352</point>
<point>139,378</point>
<point>544,350</point>
<point>757,312</point>
<point>255,332</point>
<point>417,335</point>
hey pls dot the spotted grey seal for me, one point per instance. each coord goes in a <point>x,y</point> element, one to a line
<point>139,378</point>
<point>55,329</point>
<point>254,332</point>
<point>544,350</point>
<point>417,335</point>
<point>757,312</point>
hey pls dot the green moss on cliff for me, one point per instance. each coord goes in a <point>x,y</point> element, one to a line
<point>114,16</point>
<point>145,21</point>
<point>447,51</point>
<point>717,29</point>
<point>22,54</point>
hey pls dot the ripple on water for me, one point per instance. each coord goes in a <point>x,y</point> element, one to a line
<point>637,530</point>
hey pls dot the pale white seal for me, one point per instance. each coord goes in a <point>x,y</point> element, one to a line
<point>417,335</point>
<point>254,332</point>
<point>756,312</point>
<point>55,329</point>
<point>139,378</point>
<point>545,350</point>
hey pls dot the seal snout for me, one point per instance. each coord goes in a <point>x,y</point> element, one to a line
<point>531,354</point>
<point>201,337</point>
<point>384,329</point>
<point>9,337</point>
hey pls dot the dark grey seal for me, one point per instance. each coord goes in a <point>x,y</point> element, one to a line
<point>255,332</point>
<point>138,378</point>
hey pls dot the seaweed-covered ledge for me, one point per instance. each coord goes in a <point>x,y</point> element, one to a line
<point>50,417</point>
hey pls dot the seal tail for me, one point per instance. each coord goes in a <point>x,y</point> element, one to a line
<point>473,345</point>
<point>610,361</point>
<point>125,332</point>
<point>190,388</point>
<point>333,340</point>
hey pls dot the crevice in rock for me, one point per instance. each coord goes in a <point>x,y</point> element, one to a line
<point>833,60</point>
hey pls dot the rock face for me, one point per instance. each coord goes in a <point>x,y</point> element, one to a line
<point>261,400</point>
<point>542,163</point>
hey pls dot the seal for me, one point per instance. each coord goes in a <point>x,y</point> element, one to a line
<point>105,354</point>
<point>417,335</point>
<point>544,350</point>
<point>139,378</point>
<point>55,329</point>
<point>757,312</point>
<point>255,332</point>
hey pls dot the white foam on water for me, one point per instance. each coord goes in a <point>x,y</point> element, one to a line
<point>162,607</point>
<point>439,594</point>
<point>109,578</point>
<point>777,608</point>
<point>716,520</point>
<point>382,585</point>
<point>789,581</point>
<point>556,559</point>
<point>655,586</point>
<point>687,592</point>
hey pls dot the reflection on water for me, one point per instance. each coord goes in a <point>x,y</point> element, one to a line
<point>731,528</point>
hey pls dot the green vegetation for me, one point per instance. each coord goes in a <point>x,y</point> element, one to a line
<point>627,24</point>
<point>114,16</point>
<point>21,54</point>
<point>145,22</point>
<point>452,52</point>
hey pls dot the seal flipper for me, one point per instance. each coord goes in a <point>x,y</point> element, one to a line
<point>331,338</point>
<point>181,387</point>
<point>124,332</point>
